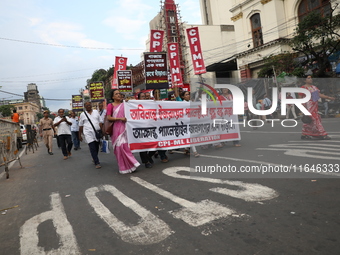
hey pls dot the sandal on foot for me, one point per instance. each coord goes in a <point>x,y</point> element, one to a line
<point>326,137</point>
<point>186,152</point>
<point>306,137</point>
<point>196,155</point>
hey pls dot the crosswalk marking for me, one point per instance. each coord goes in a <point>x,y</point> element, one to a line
<point>326,150</point>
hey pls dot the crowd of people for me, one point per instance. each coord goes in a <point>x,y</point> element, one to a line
<point>71,130</point>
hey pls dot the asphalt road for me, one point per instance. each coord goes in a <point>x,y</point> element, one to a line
<point>69,207</point>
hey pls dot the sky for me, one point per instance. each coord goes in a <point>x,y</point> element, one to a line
<point>30,31</point>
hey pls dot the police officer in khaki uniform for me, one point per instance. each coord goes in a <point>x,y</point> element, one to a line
<point>47,131</point>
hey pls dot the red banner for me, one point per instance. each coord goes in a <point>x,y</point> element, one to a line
<point>196,51</point>
<point>156,40</point>
<point>120,64</point>
<point>175,71</point>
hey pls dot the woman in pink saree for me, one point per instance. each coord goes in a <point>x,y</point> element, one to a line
<point>315,128</point>
<point>115,112</point>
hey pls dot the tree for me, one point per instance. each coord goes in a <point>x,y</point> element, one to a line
<point>318,37</point>
<point>281,63</point>
<point>6,110</point>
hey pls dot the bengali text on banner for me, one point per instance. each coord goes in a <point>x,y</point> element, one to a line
<point>164,125</point>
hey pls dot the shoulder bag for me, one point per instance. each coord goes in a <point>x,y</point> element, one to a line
<point>98,133</point>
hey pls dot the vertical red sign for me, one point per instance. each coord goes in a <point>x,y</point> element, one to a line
<point>120,64</point>
<point>175,71</point>
<point>156,40</point>
<point>196,51</point>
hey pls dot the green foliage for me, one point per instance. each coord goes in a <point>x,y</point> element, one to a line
<point>104,76</point>
<point>6,110</point>
<point>298,72</point>
<point>281,63</point>
<point>40,115</point>
<point>317,38</point>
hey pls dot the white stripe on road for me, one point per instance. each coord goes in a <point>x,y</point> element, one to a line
<point>267,163</point>
<point>194,214</point>
<point>149,230</point>
<point>328,150</point>
<point>29,239</point>
<point>247,191</point>
<point>305,153</point>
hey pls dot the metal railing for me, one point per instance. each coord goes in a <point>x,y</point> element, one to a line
<point>9,132</point>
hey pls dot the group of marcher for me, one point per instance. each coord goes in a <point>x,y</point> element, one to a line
<point>71,130</point>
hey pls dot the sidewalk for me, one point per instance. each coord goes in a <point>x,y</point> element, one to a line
<point>41,159</point>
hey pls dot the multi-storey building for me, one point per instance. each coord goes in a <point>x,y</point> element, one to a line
<point>28,112</point>
<point>262,27</point>
<point>32,95</point>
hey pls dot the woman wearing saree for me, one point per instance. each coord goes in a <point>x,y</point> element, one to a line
<point>315,128</point>
<point>115,113</point>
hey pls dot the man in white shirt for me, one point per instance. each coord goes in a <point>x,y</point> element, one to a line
<point>102,111</point>
<point>86,128</point>
<point>64,132</point>
<point>75,131</point>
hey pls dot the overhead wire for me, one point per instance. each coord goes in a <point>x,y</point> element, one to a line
<point>64,46</point>
<point>50,99</point>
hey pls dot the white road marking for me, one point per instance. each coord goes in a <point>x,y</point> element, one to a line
<point>149,230</point>
<point>29,238</point>
<point>293,153</point>
<point>194,214</point>
<point>322,151</point>
<point>250,192</point>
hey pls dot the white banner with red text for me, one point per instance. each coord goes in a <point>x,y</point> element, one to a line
<point>166,125</point>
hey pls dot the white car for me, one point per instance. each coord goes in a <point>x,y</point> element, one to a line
<point>24,134</point>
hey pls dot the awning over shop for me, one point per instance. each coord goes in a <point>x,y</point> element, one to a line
<point>223,66</point>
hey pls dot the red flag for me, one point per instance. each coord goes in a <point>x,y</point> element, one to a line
<point>175,71</point>
<point>196,51</point>
<point>156,40</point>
<point>120,64</point>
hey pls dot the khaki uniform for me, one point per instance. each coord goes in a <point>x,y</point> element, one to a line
<point>47,131</point>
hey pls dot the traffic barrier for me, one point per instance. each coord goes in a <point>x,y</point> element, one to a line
<point>9,132</point>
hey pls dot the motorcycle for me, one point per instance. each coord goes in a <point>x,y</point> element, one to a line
<point>333,107</point>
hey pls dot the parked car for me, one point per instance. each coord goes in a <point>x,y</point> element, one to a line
<point>24,134</point>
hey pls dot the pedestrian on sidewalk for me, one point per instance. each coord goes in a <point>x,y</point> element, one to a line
<point>46,131</point>
<point>75,131</point>
<point>64,132</point>
<point>90,121</point>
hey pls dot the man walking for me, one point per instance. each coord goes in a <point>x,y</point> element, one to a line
<point>102,111</point>
<point>290,107</point>
<point>75,131</point>
<point>89,122</point>
<point>46,131</point>
<point>64,132</point>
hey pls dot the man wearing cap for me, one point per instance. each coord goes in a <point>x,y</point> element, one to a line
<point>47,131</point>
